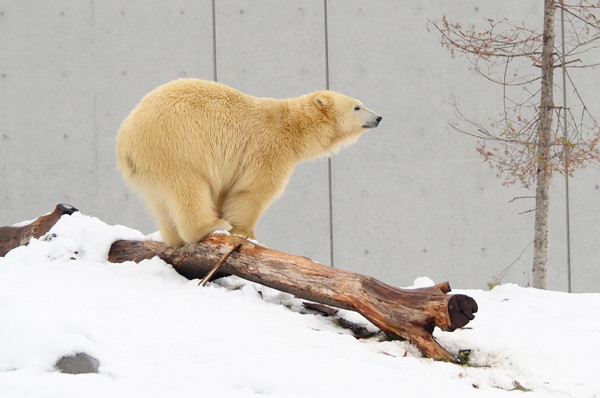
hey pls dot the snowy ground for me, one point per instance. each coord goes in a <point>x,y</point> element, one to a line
<point>157,334</point>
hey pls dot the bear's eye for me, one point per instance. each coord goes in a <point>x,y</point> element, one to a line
<point>356,107</point>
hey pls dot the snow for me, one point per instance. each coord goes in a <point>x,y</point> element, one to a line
<point>157,334</point>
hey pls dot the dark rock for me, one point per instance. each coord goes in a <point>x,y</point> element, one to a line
<point>77,364</point>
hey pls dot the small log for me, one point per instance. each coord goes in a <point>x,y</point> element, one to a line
<point>11,237</point>
<point>410,314</point>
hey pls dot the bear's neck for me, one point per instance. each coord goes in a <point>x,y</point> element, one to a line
<point>307,131</point>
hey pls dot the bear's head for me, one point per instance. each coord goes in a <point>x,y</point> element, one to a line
<point>348,117</point>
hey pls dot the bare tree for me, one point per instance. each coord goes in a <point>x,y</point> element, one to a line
<point>532,137</point>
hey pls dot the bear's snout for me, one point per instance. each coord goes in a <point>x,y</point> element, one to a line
<point>371,124</point>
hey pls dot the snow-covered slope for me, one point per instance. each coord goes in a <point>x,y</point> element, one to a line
<point>157,334</point>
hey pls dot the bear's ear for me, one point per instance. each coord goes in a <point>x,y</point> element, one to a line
<point>322,102</point>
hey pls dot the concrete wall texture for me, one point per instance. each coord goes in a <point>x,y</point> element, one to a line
<point>411,198</point>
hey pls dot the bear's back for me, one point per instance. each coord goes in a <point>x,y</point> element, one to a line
<point>195,92</point>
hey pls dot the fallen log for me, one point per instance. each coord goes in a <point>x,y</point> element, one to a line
<point>410,314</point>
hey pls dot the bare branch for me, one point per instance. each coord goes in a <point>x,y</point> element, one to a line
<point>496,49</point>
<point>527,211</point>
<point>521,197</point>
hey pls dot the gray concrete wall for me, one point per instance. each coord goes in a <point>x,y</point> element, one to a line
<point>410,198</point>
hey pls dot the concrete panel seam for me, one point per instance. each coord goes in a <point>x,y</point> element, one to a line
<point>329,181</point>
<point>214,38</point>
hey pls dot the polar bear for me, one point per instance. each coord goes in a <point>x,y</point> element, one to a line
<point>207,157</point>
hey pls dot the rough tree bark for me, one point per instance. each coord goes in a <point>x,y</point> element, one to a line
<point>410,314</point>
<point>544,142</point>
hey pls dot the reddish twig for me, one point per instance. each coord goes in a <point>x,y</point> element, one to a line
<point>218,265</point>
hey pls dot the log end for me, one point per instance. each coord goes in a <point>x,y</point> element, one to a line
<point>64,208</point>
<point>460,309</point>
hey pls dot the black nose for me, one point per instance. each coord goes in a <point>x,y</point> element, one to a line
<point>379,119</point>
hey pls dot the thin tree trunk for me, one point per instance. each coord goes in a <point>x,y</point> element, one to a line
<point>544,141</point>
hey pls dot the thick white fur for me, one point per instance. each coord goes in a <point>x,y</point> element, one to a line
<point>208,157</point>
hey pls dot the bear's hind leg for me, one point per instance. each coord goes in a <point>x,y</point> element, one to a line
<point>194,212</point>
<point>165,224</point>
